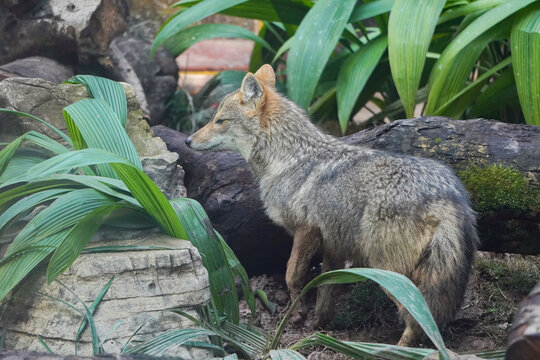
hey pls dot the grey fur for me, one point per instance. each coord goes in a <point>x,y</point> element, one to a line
<point>371,208</point>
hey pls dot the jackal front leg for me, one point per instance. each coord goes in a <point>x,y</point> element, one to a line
<point>307,241</point>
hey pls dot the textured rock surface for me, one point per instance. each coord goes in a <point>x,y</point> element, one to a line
<point>145,284</point>
<point>154,81</point>
<point>166,173</point>
<point>37,67</point>
<point>60,28</point>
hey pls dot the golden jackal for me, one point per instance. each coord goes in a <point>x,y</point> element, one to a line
<point>356,205</point>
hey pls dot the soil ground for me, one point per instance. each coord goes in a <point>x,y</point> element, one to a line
<point>364,313</point>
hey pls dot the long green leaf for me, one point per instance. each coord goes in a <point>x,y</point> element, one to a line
<point>107,90</point>
<point>525,40</point>
<point>397,285</point>
<point>76,240</point>
<point>93,307</point>
<point>475,31</point>
<point>452,108</point>
<point>28,203</point>
<point>312,46</point>
<point>495,95</point>
<point>66,211</point>
<point>285,354</point>
<point>408,43</point>
<point>100,128</point>
<point>354,75</point>
<point>53,128</point>
<point>449,75</point>
<point>285,11</point>
<point>160,344</point>
<point>151,199</point>
<point>203,237</point>
<point>15,267</point>
<point>188,16</point>
<point>360,350</point>
<point>370,9</point>
<point>181,41</point>
<point>467,9</point>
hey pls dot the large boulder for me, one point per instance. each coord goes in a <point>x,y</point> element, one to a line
<point>60,28</point>
<point>145,285</point>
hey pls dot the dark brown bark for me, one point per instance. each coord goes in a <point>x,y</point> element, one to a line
<point>224,185</point>
<point>524,336</point>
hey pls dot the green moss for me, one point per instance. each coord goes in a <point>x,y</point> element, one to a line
<point>437,140</point>
<point>496,187</point>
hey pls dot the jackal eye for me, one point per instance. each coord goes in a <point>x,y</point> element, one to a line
<point>220,121</point>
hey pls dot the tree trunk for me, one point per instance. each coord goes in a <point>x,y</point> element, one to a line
<point>224,185</point>
<point>524,336</point>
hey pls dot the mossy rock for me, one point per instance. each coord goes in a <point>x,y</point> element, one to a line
<point>495,187</point>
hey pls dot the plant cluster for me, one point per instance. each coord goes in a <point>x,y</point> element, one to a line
<point>460,58</point>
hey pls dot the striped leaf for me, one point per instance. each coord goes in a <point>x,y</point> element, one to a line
<point>525,41</point>
<point>189,16</point>
<point>354,75</point>
<point>408,43</point>
<point>107,90</point>
<point>181,41</point>
<point>76,240</point>
<point>312,46</point>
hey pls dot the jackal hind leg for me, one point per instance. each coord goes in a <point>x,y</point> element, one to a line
<point>307,242</point>
<point>326,297</point>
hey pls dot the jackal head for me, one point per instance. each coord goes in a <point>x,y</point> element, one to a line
<point>238,118</point>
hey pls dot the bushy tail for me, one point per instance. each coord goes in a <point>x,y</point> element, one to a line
<point>443,271</point>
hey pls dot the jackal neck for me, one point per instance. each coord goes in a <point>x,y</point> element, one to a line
<point>289,138</point>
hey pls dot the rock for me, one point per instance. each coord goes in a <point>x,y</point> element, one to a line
<point>166,174</point>
<point>60,28</point>
<point>46,100</point>
<point>37,67</point>
<point>145,284</point>
<point>154,81</point>
<point>37,97</point>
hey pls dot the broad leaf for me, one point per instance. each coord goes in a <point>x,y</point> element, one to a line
<point>312,46</point>
<point>181,41</point>
<point>107,90</point>
<point>525,41</point>
<point>408,43</point>
<point>188,16</point>
<point>354,75</point>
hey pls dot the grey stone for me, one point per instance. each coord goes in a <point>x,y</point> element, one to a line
<point>37,67</point>
<point>166,174</point>
<point>154,81</point>
<point>60,28</point>
<point>145,285</point>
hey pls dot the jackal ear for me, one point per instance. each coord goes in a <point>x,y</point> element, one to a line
<point>251,88</point>
<point>266,75</point>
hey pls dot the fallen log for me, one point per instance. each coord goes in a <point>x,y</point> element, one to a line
<point>224,185</point>
<point>524,336</point>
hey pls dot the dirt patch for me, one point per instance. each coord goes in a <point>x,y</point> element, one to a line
<point>364,313</point>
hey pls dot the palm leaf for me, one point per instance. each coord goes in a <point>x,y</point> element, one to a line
<point>172,339</point>
<point>525,40</point>
<point>354,75</point>
<point>107,90</point>
<point>181,41</point>
<point>312,46</point>
<point>408,43</point>
<point>397,285</point>
<point>188,16</point>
